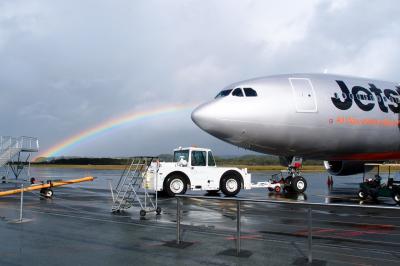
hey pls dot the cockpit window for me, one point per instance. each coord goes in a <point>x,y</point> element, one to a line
<point>250,92</point>
<point>223,93</point>
<point>238,92</point>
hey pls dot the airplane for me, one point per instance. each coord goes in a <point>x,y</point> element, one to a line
<point>345,121</point>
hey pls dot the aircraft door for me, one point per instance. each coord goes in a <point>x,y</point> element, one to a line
<point>304,95</point>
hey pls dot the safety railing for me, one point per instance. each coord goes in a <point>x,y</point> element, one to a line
<point>28,143</point>
<point>23,143</point>
<point>308,207</point>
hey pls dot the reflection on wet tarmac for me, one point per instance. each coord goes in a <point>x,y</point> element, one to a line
<point>338,189</point>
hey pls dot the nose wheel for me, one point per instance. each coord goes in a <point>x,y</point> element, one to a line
<point>299,184</point>
<point>295,182</point>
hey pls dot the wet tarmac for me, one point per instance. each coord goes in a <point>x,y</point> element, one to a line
<point>77,227</point>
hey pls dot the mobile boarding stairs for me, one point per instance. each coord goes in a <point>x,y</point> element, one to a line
<point>133,187</point>
<point>15,153</point>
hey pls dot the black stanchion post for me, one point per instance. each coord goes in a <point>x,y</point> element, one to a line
<point>238,225</point>
<point>309,235</point>
<point>178,221</point>
<point>21,203</point>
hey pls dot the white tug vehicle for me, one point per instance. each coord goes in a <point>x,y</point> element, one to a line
<point>192,168</point>
<point>195,168</point>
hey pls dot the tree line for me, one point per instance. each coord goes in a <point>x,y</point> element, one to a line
<point>221,160</point>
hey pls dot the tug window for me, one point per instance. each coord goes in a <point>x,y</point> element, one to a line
<point>250,92</point>
<point>198,158</point>
<point>184,154</point>
<point>223,93</point>
<point>211,161</point>
<point>238,92</point>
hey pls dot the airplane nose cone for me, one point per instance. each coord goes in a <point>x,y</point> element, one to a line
<point>211,118</point>
<point>201,116</point>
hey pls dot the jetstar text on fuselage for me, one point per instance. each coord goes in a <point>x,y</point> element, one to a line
<point>367,98</point>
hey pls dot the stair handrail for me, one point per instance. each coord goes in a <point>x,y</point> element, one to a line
<point>5,142</point>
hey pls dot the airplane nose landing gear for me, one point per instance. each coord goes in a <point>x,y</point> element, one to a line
<point>295,182</point>
<point>299,184</point>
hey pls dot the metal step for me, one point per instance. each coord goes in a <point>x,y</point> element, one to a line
<point>7,155</point>
<point>129,184</point>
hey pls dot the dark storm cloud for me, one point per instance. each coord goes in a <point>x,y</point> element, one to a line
<point>68,65</point>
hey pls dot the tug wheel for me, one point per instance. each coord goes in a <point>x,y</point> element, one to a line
<point>142,213</point>
<point>230,185</point>
<point>175,185</point>
<point>277,189</point>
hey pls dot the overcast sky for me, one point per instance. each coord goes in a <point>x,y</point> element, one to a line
<point>68,65</point>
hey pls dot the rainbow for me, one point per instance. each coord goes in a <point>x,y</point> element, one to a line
<point>111,124</point>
